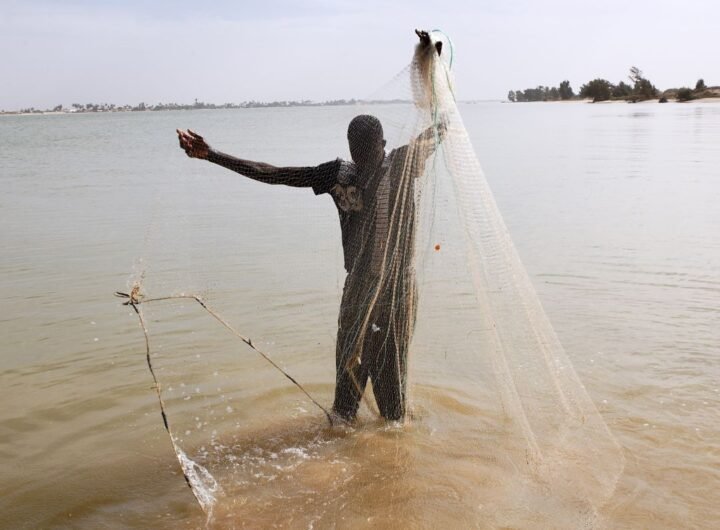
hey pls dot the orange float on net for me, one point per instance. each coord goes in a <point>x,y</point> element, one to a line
<point>437,247</point>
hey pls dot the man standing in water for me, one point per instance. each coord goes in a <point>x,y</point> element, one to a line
<point>375,198</point>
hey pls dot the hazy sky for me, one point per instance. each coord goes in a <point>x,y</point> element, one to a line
<point>127,51</point>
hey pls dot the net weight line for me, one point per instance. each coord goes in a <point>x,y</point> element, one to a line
<point>134,299</point>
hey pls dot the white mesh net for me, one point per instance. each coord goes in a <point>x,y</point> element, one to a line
<point>473,415</point>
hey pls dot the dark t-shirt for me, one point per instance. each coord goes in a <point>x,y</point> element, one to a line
<point>365,203</point>
<point>355,198</point>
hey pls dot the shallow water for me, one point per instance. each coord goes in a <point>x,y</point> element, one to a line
<point>613,208</point>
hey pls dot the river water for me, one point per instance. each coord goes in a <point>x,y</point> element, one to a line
<point>614,210</point>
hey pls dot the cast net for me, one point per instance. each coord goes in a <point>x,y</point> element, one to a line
<point>440,395</point>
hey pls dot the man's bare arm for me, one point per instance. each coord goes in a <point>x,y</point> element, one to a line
<point>195,146</point>
<point>424,145</point>
<point>435,133</point>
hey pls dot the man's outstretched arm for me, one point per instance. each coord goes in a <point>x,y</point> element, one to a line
<point>317,177</point>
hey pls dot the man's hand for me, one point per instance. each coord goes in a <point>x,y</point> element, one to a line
<point>193,144</point>
<point>424,37</point>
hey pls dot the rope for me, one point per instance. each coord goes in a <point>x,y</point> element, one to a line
<point>134,300</point>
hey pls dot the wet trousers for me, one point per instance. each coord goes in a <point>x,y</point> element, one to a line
<point>374,348</point>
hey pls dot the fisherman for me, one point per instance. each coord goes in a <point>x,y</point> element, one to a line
<point>374,195</point>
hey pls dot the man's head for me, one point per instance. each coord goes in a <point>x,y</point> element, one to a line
<point>367,145</point>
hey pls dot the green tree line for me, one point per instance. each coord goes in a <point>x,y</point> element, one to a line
<point>543,93</point>
<point>639,89</point>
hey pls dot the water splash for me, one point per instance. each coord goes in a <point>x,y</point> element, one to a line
<point>203,484</point>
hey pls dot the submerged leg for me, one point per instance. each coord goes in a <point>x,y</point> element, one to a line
<point>390,344</point>
<point>350,377</point>
<point>349,386</point>
<point>389,374</point>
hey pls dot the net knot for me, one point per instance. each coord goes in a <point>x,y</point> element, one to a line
<point>133,298</point>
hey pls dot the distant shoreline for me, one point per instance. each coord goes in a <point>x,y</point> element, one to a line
<point>601,90</point>
<point>92,108</point>
<point>356,102</point>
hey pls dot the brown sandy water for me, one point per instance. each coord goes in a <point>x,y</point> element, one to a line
<point>614,210</point>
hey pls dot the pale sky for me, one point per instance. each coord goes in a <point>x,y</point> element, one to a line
<point>128,51</point>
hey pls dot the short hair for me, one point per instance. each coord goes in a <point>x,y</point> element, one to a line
<point>365,128</point>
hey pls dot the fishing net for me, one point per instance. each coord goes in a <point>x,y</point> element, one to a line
<point>438,393</point>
